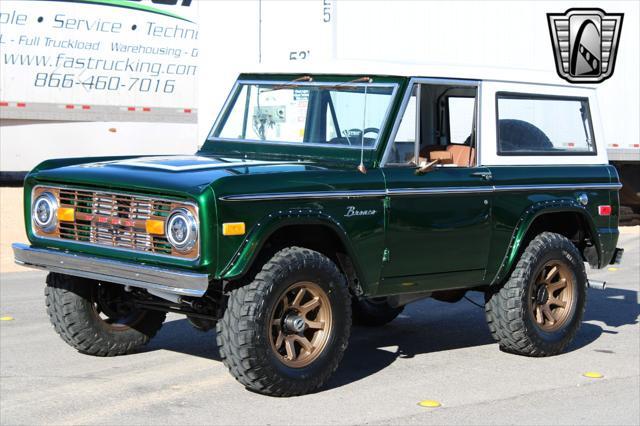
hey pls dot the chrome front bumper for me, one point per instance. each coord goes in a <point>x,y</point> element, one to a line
<point>113,271</point>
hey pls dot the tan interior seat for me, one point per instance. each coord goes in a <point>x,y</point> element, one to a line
<point>445,157</point>
<point>462,155</point>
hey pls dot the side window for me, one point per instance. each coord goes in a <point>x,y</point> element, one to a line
<point>403,149</point>
<point>532,124</point>
<point>460,119</point>
<point>332,132</point>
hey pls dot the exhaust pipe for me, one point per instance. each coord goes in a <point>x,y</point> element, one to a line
<point>597,285</point>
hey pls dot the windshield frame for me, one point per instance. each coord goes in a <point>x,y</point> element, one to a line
<point>236,91</point>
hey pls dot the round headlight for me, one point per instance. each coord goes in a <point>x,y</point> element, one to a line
<point>182,230</point>
<point>45,212</point>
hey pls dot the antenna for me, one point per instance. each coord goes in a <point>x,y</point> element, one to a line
<point>361,168</point>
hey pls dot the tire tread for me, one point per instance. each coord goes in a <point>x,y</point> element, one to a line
<point>238,338</point>
<point>505,310</point>
<point>68,304</point>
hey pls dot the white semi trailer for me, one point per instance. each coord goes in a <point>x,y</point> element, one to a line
<point>98,77</point>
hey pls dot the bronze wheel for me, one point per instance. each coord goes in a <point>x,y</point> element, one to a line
<point>551,296</point>
<point>301,323</point>
<point>284,333</point>
<point>538,310</point>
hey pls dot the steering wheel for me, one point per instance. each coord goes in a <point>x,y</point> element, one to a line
<point>357,134</point>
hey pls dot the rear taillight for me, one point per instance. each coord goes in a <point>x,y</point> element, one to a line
<point>604,210</point>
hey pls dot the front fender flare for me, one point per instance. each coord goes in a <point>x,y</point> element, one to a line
<point>246,254</point>
<point>528,217</point>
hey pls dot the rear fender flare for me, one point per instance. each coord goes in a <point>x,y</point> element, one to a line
<point>524,223</point>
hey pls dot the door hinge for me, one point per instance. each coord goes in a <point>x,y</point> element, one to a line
<point>385,255</point>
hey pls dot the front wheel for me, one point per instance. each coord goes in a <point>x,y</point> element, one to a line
<point>98,318</point>
<point>285,333</point>
<point>539,309</point>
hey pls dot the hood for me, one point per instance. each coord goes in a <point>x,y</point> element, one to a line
<point>166,174</point>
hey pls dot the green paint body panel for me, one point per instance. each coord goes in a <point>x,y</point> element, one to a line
<point>513,212</point>
<point>405,243</point>
<point>436,239</point>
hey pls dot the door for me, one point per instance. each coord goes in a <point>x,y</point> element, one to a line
<point>438,219</point>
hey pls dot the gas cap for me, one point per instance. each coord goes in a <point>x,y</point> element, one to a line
<point>583,199</point>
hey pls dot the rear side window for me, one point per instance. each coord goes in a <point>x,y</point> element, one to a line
<point>535,125</point>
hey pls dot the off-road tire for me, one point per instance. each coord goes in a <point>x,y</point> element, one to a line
<point>243,332</point>
<point>373,313</point>
<point>70,308</point>
<point>507,308</point>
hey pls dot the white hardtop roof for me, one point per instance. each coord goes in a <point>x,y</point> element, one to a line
<point>426,70</point>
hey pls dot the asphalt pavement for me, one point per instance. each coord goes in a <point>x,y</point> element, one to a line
<point>433,351</point>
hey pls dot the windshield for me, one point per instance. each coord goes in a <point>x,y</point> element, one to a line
<point>326,114</point>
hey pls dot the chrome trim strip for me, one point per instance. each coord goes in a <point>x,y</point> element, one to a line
<point>416,191</point>
<point>238,83</point>
<point>557,187</point>
<point>113,271</point>
<point>305,195</point>
<point>443,190</point>
<point>121,249</point>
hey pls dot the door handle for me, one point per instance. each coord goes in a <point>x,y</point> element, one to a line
<point>486,175</point>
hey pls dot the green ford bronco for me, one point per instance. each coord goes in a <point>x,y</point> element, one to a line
<point>321,199</point>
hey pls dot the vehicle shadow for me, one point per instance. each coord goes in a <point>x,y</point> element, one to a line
<point>424,327</point>
<point>180,336</point>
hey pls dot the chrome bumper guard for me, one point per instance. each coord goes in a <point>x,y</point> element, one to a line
<point>113,271</point>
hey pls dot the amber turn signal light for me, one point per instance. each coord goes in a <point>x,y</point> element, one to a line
<point>155,227</point>
<point>233,228</point>
<point>66,214</point>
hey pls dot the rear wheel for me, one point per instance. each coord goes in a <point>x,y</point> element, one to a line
<point>98,318</point>
<point>285,333</point>
<point>374,312</point>
<point>539,309</point>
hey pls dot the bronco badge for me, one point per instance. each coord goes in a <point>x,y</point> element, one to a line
<point>351,211</point>
<point>585,43</point>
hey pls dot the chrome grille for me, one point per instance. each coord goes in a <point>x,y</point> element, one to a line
<point>114,220</point>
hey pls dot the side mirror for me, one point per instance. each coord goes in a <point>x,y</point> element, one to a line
<point>425,167</point>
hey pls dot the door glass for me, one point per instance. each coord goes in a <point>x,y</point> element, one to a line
<point>403,149</point>
<point>332,132</point>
